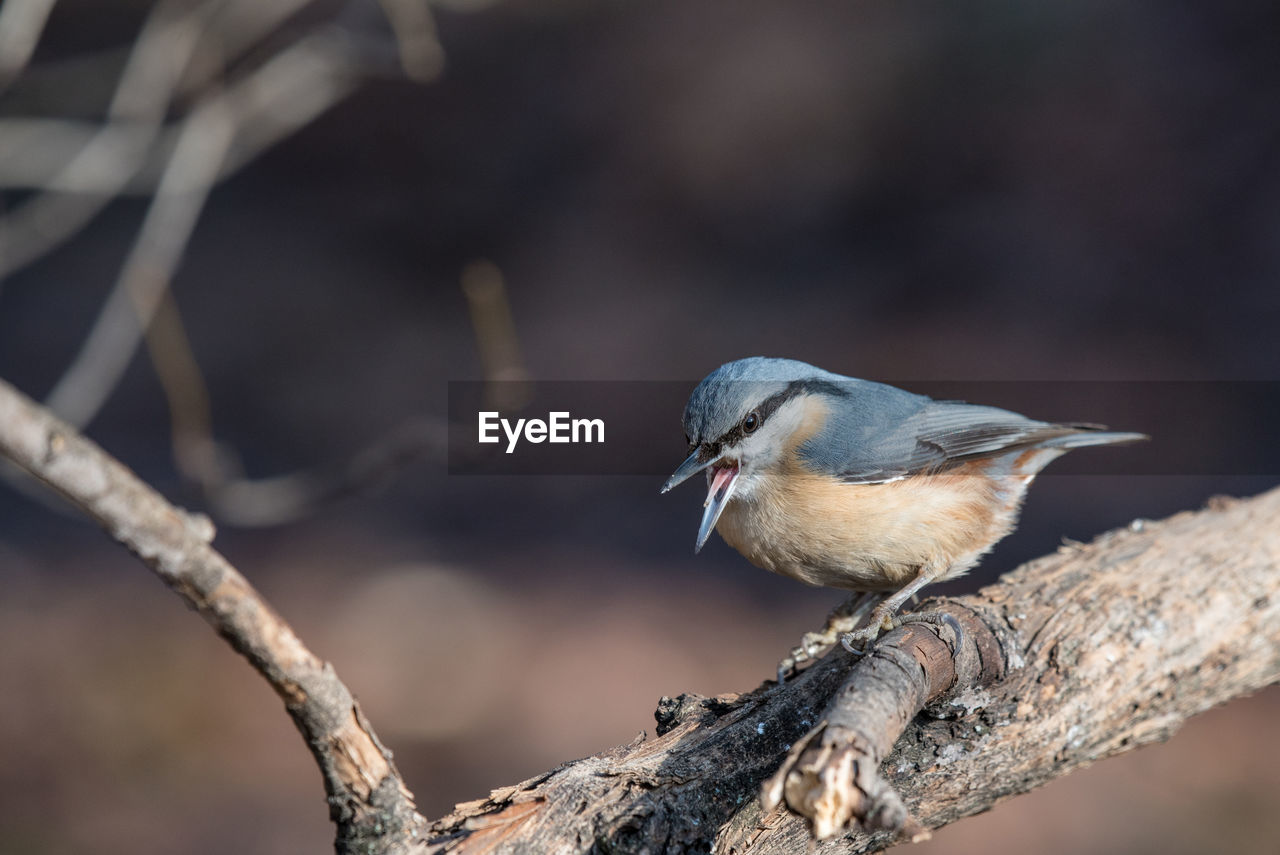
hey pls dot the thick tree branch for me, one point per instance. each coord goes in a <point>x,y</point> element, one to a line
<point>1069,659</point>
<point>1073,657</point>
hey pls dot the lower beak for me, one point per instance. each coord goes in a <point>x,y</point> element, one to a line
<point>721,480</point>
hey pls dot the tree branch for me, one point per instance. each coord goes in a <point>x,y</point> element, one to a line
<point>368,800</point>
<point>1069,659</point>
<point>1080,655</point>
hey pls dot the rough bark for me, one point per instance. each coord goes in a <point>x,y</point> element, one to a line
<point>1071,658</point>
<point>1101,648</point>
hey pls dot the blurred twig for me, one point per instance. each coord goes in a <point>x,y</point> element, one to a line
<point>182,49</point>
<point>215,467</point>
<point>509,387</point>
<point>286,92</point>
<point>242,75</point>
<point>116,151</point>
<point>21,23</point>
<point>421,55</point>
<point>130,149</point>
<point>236,499</point>
<point>149,268</point>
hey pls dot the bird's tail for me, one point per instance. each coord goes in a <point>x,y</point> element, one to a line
<point>1061,439</point>
<point>1080,435</point>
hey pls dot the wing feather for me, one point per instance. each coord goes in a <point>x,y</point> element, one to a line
<point>943,434</point>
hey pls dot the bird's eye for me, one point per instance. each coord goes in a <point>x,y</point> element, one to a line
<point>751,422</point>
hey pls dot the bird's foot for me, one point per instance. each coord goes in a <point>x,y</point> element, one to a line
<point>935,618</point>
<point>843,619</point>
<point>859,641</point>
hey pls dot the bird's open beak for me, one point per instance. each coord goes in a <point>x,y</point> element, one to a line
<point>721,480</point>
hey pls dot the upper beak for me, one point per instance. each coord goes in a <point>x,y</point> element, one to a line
<point>719,489</point>
<point>691,466</point>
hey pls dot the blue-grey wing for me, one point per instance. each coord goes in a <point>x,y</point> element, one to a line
<point>865,442</point>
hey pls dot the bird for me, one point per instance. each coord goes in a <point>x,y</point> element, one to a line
<point>853,484</point>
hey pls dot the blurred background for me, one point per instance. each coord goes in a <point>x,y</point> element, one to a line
<point>330,210</point>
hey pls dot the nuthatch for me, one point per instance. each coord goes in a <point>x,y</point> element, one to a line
<point>857,485</point>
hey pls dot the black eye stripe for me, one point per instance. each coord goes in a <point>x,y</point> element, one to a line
<point>773,402</point>
<point>768,407</point>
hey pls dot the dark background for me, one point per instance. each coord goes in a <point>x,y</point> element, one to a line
<point>966,192</point>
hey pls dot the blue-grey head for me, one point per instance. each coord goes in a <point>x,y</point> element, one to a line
<point>751,416</point>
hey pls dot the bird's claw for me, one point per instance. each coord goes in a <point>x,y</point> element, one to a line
<point>867,635</point>
<point>811,646</point>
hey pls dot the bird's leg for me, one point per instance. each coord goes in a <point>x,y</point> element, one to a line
<point>844,618</point>
<point>882,617</point>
